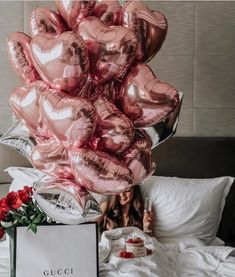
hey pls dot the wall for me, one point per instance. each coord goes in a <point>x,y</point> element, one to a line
<point>197,57</point>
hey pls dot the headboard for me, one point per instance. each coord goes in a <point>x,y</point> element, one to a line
<point>195,157</point>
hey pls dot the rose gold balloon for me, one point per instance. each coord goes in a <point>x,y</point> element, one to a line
<point>99,172</point>
<point>145,99</point>
<point>111,49</point>
<point>51,158</point>
<point>62,61</point>
<point>24,102</point>
<point>150,28</point>
<point>92,91</point>
<point>110,90</point>
<point>114,131</point>
<point>44,20</point>
<point>138,157</point>
<point>108,11</point>
<point>72,120</point>
<point>19,54</point>
<point>73,11</point>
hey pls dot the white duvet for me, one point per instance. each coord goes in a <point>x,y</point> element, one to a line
<point>185,259</point>
<point>188,258</point>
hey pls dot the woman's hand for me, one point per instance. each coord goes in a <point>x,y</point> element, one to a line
<point>148,222</point>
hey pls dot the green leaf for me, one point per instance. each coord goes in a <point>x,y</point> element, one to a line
<point>6,224</point>
<point>33,227</point>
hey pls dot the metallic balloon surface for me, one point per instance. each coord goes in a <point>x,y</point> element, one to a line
<point>138,157</point>
<point>99,172</point>
<point>44,20</point>
<point>61,61</point>
<point>74,11</point>
<point>114,131</point>
<point>150,27</point>
<point>24,102</point>
<point>18,138</point>
<point>109,11</point>
<point>66,201</point>
<point>51,158</point>
<point>145,99</point>
<point>92,91</point>
<point>71,119</point>
<point>165,129</point>
<point>111,49</point>
<point>18,47</point>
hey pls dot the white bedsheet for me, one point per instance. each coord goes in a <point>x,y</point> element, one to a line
<point>187,258</point>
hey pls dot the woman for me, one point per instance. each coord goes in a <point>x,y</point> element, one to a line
<point>127,209</point>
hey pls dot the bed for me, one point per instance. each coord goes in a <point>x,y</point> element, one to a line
<point>186,158</point>
<point>191,158</point>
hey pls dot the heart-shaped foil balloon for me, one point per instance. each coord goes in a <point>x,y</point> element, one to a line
<point>99,172</point>
<point>150,27</point>
<point>62,61</point>
<point>18,47</point>
<point>44,20</point>
<point>73,11</point>
<point>24,102</point>
<point>92,91</point>
<point>65,201</point>
<point>114,131</point>
<point>145,99</point>
<point>109,11</point>
<point>138,157</point>
<point>51,158</point>
<point>71,119</point>
<point>111,49</point>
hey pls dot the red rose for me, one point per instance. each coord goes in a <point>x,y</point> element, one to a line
<point>3,206</point>
<point>2,232</point>
<point>29,190</point>
<point>13,201</point>
<point>24,196</point>
<point>2,216</point>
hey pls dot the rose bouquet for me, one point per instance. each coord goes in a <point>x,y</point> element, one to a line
<point>20,208</point>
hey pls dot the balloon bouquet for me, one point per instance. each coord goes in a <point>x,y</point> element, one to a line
<point>90,109</point>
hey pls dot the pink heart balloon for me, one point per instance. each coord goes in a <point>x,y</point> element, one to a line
<point>18,46</point>
<point>114,131</point>
<point>62,61</point>
<point>108,11</point>
<point>92,91</point>
<point>99,172</point>
<point>72,120</point>
<point>138,157</point>
<point>44,20</point>
<point>24,102</point>
<point>150,27</point>
<point>73,11</point>
<point>145,99</point>
<point>51,158</point>
<point>111,49</point>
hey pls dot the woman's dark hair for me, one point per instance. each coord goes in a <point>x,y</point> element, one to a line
<point>113,215</point>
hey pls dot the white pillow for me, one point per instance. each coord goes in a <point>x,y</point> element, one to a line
<point>23,176</point>
<point>186,208</point>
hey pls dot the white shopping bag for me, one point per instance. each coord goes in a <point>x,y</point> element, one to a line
<point>56,250</point>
